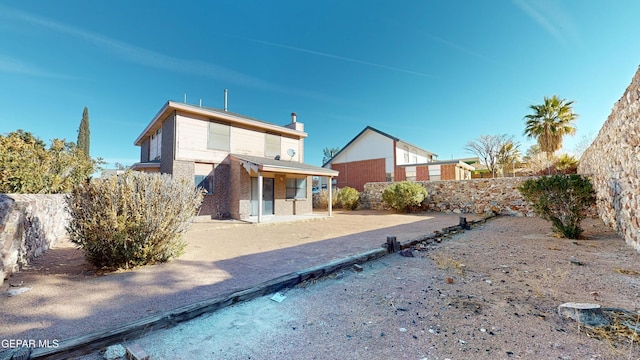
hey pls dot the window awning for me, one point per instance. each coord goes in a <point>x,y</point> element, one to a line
<point>260,164</point>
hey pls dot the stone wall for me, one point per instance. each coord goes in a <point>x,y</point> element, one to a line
<point>613,162</point>
<point>499,195</point>
<point>29,225</point>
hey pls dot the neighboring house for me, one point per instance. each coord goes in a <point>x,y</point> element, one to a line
<point>249,168</point>
<point>374,156</point>
<point>438,170</point>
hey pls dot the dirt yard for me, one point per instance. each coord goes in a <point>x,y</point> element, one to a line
<point>488,293</point>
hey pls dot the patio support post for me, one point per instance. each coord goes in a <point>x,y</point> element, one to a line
<point>330,188</point>
<point>260,190</point>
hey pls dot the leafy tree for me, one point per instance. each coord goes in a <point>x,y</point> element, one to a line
<point>28,167</point>
<point>561,199</point>
<point>83,132</point>
<point>329,153</point>
<point>488,147</point>
<point>550,122</point>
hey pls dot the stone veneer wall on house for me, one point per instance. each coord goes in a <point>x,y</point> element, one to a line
<point>499,195</point>
<point>29,225</point>
<point>613,162</point>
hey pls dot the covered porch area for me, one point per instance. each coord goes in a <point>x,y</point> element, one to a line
<point>268,190</point>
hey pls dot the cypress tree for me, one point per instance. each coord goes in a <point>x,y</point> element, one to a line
<point>83,132</point>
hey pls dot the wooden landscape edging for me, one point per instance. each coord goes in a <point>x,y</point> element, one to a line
<point>85,344</point>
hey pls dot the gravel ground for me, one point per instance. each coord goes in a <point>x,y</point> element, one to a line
<point>489,293</point>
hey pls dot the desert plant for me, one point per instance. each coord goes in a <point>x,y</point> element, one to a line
<point>348,198</point>
<point>132,219</point>
<point>561,199</point>
<point>404,196</point>
<point>321,199</point>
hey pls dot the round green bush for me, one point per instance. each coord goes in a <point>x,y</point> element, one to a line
<point>404,196</point>
<point>131,219</point>
<point>348,198</point>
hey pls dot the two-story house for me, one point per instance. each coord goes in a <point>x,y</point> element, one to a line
<point>374,156</point>
<point>249,168</point>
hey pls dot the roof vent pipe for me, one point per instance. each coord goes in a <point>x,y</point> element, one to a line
<point>293,117</point>
<point>225,99</point>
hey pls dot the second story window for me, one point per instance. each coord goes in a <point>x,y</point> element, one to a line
<point>155,145</point>
<point>272,146</point>
<point>218,138</point>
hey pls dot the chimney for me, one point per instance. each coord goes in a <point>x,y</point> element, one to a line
<point>295,125</point>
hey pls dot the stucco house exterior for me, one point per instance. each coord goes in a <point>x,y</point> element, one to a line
<point>249,168</point>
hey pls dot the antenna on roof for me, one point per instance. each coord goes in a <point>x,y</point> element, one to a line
<point>226,92</point>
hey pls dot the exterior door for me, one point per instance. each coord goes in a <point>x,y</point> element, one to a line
<point>267,196</point>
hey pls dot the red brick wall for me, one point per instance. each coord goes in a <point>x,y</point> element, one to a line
<point>448,172</point>
<point>422,173</point>
<point>357,173</point>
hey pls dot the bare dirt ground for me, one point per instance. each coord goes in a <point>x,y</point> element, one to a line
<point>488,293</point>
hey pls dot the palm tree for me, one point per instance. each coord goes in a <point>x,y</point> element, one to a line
<point>509,153</point>
<point>550,122</point>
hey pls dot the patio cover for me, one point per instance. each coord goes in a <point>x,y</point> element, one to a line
<point>256,165</point>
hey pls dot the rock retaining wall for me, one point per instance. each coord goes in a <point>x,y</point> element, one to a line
<point>499,195</point>
<point>29,225</point>
<point>613,162</point>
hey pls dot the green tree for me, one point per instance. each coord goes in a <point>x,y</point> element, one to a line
<point>84,133</point>
<point>329,153</point>
<point>550,122</point>
<point>28,167</point>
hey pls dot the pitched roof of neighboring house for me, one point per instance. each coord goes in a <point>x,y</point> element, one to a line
<point>219,114</point>
<point>369,128</point>
<point>282,166</point>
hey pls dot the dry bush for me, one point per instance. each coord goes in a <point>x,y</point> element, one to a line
<point>132,219</point>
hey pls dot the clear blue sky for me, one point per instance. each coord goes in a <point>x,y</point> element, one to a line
<point>434,73</point>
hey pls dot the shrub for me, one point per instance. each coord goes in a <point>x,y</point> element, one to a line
<point>27,166</point>
<point>131,219</point>
<point>561,199</point>
<point>321,200</point>
<point>348,198</point>
<point>404,196</point>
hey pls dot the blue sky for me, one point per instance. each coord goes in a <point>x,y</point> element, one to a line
<point>434,73</point>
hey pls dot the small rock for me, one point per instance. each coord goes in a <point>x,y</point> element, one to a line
<point>406,253</point>
<point>18,291</point>
<point>402,330</point>
<point>449,280</point>
<point>357,268</point>
<point>575,261</point>
<point>489,281</point>
<point>114,352</point>
<point>483,330</point>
